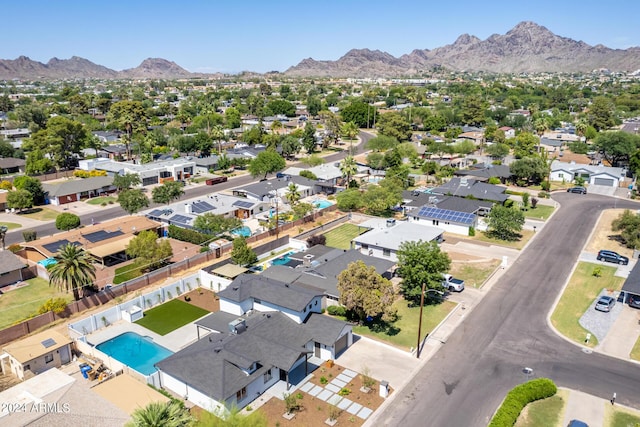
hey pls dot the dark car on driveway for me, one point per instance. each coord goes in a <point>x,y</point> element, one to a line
<point>579,190</point>
<point>611,256</point>
<point>577,423</point>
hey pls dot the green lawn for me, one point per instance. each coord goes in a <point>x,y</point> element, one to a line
<point>404,331</point>
<point>341,236</point>
<point>11,225</point>
<point>170,316</point>
<point>544,413</point>
<point>473,273</point>
<point>21,303</point>
<point>517,244</point>
<point>41,214</point>
<point>582,290</point>
<point>126,272</point>
<point>621,417</point>
<point>635,352</point>
<point>541,212</point>
<point>101,200</point>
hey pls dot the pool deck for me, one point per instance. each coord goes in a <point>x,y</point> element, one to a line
<point>173,341</point>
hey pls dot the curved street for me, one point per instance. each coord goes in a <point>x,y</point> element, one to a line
<point>49,228</point>
<point>466,380</point>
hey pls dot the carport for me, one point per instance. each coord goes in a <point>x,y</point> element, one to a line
<point>631,287</point>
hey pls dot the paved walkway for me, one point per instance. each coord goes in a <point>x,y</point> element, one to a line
<point>623,333</point>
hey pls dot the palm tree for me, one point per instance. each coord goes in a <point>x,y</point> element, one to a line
<point>348,167</point>
<point>293,195</point>
<point>350,130</point>
<point>217,133</point>
<point>161,414</point>
<point>73,269</point>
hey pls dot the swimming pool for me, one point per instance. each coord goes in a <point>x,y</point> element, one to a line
<point>242,231</point>
<point>137,352</point>
<point>321,204</point>
<point>374,179</point>
<point>282,260</point>
<point>47,262</point>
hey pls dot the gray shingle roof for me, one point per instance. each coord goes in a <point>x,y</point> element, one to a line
<point>267,289</point>
<point>10,162</point>
<point>77,186</point>
<point>213,365</point>
<point>470,187</point>
<point>324,329</point>
<point>9,262</point>
<point>632,284</point>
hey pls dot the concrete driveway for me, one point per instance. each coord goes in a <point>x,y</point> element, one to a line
<point>385,363</point>
<point>603,190</point>
<point>622,270</point>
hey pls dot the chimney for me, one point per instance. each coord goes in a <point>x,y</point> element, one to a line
<point>306,260</point>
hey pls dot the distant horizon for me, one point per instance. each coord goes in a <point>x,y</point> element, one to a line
<point>206,37</point>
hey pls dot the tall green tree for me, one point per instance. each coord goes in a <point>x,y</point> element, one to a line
<point>62,139</point>
<point>617,146</point>
<point>473,110</point>
<point>167,192</point>
<point>32,185</point>
<point>19,199</point>
<point>148,250</point>
<point>505,223</point>
<point>161,414</point>
<point>309,138</point>
<point>67,221</point>
<point>394,125</point>
<point>210,223</point>
<point>348,168</point>
<point>290,146</point>
<point>382,143</point>
<point>601,113</point>
<point>366,293</point>
<point>126,181</point>
<point>266,162</point>
<point>241,253</point>
<point>420,263</point>
<point>293,194</point>
<point>358,112</point>
<point>73,269</point>
<point>133,201</point>
<point>129,116</point>
<point>529,169</point>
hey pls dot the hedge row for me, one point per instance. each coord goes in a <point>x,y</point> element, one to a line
<point>519,397</point>
<point>190,236</point>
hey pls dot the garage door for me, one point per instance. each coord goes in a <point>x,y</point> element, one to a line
<point>604,181</point>
<point>341,344</point>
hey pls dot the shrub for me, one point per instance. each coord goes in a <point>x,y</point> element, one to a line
<point>67,221</point>
<point>308,174</point>
<point>14,248</point>
<point>534,202</point>
<point>57,305</point>
<point>334,412</point>
<point>291,403</point>
<point>324,380</point>
<point>344,392</point>
<point>472,231</point>
<point>29,235</point>
<point>337,310</point>
<point>318,239</point>
<point>6,185</point>
<point>519,397</point>
<point>190,236</point>
<point>597,272</point>
<point>546,185</point>
<point>543,195</point>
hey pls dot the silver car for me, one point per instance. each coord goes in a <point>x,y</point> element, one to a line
<point>605,303</point>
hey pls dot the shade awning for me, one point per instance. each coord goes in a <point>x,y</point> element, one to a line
<point>230,271</point>
<point>111,248</point>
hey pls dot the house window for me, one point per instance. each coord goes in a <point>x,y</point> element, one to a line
<point>48,358</point>
<point>309,306</point>
<point>436,222</point>
<point>267,376</point>
<point>241,394</point>
<point>386,252</point>
<point>365,246</point>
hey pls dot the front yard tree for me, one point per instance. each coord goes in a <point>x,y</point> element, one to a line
<point>129,116</point>
<point>167,192</point>
<point>73,269</point>
<point>349,130</point>
<point>67,221</point>
<point>266,162</point>
<point>211,223</point>
<point>348,168</point>
<point>148,250</point>
<point>19,199</point>
<point>617,146</point>
<point>293,194</point>
<point>349,200</point>
<point>365,292</point>
<point>126,181</point>
<point>421,262</point>
<point>32,185</point>
<point>309,138</point>
<point>628,224</point>
<point>529,169</point>
<point>133,201</point>
<point>241,253</point>
<point>290,146</point>
<point>505,223</point>
<point>497,150</point>
<point>394,125</point>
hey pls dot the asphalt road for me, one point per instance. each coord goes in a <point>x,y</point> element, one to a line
<point>49,228</point>
<point>465,382</point>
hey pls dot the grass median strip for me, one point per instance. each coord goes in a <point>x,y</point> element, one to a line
<point>582,290</point>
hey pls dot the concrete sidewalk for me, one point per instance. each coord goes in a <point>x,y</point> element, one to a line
<point>586,408</point>
<point>623,334</point>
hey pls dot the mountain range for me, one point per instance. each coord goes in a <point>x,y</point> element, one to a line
<point>526,48</point>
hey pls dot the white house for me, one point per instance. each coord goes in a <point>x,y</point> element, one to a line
<point>384,241</point>
<point>150,173</point>
<point>594,175</point>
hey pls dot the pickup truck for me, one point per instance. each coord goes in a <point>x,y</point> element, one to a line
<point>452,284</point>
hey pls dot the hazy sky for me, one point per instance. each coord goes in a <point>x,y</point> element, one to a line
<point>231,36</point>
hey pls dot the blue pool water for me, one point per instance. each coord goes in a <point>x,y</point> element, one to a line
<point>374,179</point>
<point>47,262</point>
<point>137,352</point>
<point>242,231</point>
<point>321,204</point>
<point>282,260</point>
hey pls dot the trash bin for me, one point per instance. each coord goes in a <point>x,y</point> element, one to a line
<point>84,369</point>
<point>384,388</point>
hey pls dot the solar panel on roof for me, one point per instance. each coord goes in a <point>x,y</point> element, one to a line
<point>156,213</point>
<point>242,204</point>
<point>446,215</point>
<point>180,219</point>
<point>54,246</point>
<point>98,236</point>
<point>49,342</point>
<point>201,207</point>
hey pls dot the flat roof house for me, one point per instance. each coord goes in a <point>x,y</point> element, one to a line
<point>385,242</point>
<point>263,190</point>
<point>78,189</point>
<point>149,173</point>
<point>35,354</point>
